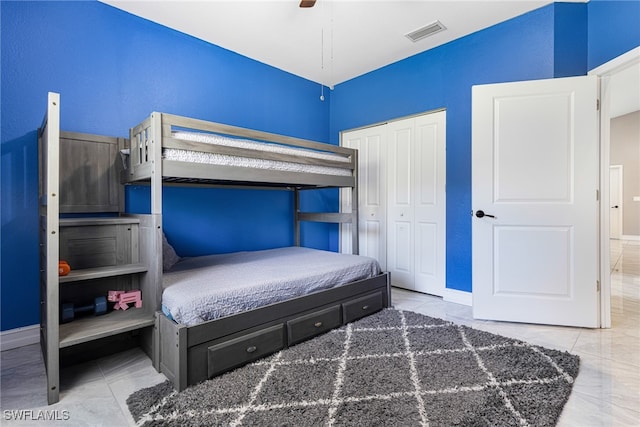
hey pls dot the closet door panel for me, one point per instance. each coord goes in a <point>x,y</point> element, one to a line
<point>426,251</point>
<point>372,216</point>
<point>400,199</point>
<point>429,207</point>
<point>370,143</point>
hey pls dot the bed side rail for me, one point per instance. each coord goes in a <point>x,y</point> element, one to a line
<point>139,155</point>
<point>142,150</point>
<point>222,129</point>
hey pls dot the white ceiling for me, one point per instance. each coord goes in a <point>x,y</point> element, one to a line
<point>332,42</point>
<point>338,40</point>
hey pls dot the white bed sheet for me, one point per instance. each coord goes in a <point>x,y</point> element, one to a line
<point>223,159</point>
<point>204,288</point>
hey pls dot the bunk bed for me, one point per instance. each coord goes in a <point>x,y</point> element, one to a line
<point>168,149</point>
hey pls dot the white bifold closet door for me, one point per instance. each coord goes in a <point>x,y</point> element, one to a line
<point>402,176</point>
<point>416,203</point>
<point>371,145</point>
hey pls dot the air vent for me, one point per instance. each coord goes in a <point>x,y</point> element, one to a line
<point>426,31</point>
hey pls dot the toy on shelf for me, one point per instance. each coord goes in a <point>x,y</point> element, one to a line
<point>122,298</point>
<point>63,268</point>
<point>69,311</point>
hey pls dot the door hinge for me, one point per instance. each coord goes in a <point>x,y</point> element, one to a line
<point>597,195</point>
<point>598,285</point>
<point>597,104</point>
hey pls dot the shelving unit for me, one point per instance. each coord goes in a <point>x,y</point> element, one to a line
<point>81,205</point>
<point>108,251</point>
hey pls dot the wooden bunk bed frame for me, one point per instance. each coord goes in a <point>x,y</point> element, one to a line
<point>188,355</point>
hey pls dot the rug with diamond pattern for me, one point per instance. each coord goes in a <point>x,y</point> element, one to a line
<point>393,368</point>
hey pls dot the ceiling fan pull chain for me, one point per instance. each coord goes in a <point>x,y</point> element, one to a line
<point>322,63</point>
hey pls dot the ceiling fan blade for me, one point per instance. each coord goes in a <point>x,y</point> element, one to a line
<point>307,3</point>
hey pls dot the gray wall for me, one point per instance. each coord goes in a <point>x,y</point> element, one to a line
<point>625,151</point>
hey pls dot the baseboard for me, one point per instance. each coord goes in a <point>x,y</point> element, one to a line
<point>19,337</point>
<point>630,237</point>
<point>458,297</point>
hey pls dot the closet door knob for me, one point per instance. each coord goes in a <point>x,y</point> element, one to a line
<point>481,214</point>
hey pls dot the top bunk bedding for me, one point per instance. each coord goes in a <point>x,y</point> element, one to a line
<point>205,288</point>
<point>213,158</point>
<point>193,150</point>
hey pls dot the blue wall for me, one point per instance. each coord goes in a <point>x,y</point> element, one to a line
<point>519,49</point>
<point>613,29</point>
<point>558,40</point>
<point>112,69</point>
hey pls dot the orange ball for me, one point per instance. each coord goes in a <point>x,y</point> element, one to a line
<point>63,268</point>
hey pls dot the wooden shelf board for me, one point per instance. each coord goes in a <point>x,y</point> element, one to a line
<point>90,328</point>
<point>86,221</point>
<point>100,272</point>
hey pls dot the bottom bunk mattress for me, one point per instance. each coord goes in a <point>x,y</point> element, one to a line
<point>204,288</point>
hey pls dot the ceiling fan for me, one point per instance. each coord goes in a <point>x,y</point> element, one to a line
<point>307,3</point>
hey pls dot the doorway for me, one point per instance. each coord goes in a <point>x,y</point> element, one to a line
<point>619,93</point>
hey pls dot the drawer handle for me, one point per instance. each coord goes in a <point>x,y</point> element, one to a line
<point>251,349</point>
<point>317,324</point>
<point>365,307</point>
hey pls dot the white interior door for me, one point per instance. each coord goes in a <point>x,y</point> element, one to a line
<point>535,178</point>
<point>430,203</point>
<point>615,201</point>
<point>370,143</point>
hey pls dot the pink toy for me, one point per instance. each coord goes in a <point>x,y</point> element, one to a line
<point>122,298</point>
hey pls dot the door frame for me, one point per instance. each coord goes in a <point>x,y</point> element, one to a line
<point>604,73</point>
<point>619,190</point>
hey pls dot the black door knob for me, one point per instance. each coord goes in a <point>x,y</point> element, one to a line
<point>481,214</point>
<point>615,207</point>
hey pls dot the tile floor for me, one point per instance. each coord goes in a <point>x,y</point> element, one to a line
<point>606,392</point>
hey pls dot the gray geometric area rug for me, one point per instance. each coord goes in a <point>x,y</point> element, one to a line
<point>393,368</point>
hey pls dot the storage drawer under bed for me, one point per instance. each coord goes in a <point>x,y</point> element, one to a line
<point>239,351</point>
<point>310,325</point>
<point>186,359</point>
<point>361,307</point>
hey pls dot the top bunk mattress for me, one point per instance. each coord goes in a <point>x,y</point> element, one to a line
<point>205,288</point>
<point>184,155</point>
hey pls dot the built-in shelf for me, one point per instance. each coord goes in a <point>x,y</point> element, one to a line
<point>100,272</point>
<point>91,328</point>
<point>107,220</point>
